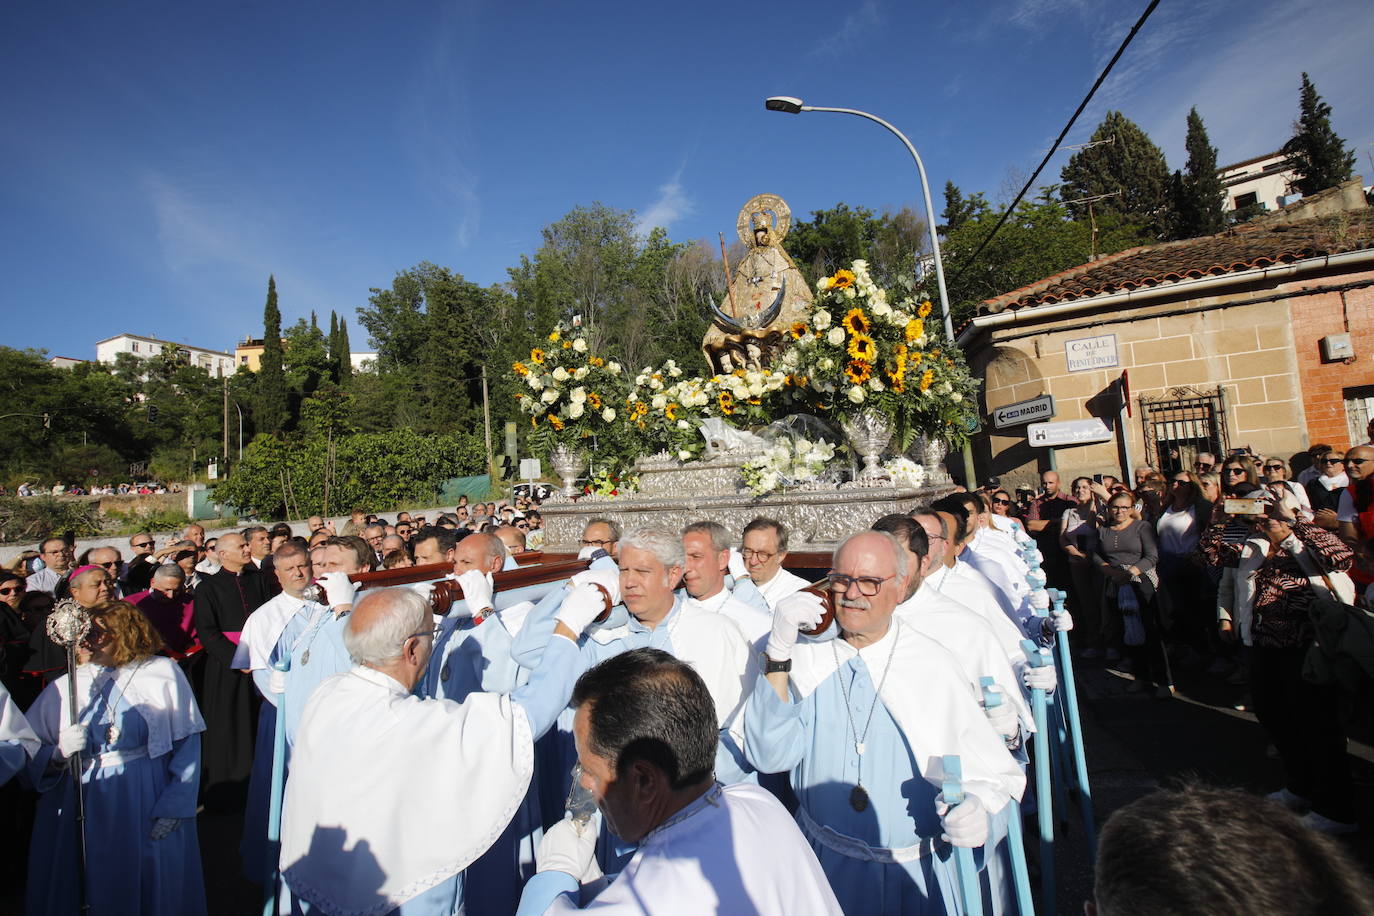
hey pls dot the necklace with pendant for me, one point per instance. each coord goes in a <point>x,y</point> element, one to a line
<point>858,796</point>
<point>113,731</point>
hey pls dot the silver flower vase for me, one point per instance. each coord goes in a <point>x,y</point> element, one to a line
<point>869,432</point>
<point>933,452</point>
<point>567,463</point>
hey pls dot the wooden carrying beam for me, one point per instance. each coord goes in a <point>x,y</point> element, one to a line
<point>447,591</point>
<point>796,559</point>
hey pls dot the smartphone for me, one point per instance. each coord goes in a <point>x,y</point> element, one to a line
<point>1243,506</point>
<point>1097,478</point>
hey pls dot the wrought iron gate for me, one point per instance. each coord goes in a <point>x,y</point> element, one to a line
<point>1181,423</point>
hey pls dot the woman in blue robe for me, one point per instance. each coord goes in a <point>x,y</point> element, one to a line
<point>138,739</point>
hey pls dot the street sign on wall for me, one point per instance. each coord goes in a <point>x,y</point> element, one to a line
<point>1088,353</point>
<point>1068,432</point>
<point>1041,408</point>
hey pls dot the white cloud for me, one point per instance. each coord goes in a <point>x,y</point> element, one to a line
<point>853,31</point>
<point>672,205</point>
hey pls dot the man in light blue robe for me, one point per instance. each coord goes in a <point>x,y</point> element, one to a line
<point>862,723</point>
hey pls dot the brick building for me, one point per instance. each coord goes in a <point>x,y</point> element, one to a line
<point>1262,336</point>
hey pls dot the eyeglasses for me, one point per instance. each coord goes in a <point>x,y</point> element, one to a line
<point>14,590</point>
<point>761,556</point>
<point>1203,466</point>
<point>868,585</point>
<point>1001,502</point>
<point>1180,481</point>
<point>141,546</point>
<point>1329,461</point>
<point>432,633</point>
<point>57,553</point>
<point>1125,508</point>
<point>1357,461</point>
<point>587,543</point>
<point>1273,467</point>
<point>1240,471</point>
<point>112,564</point>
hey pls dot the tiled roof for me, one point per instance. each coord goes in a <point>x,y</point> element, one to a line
<point>1258,244</point>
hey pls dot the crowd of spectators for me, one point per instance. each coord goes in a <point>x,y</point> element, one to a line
<point>107,489</point>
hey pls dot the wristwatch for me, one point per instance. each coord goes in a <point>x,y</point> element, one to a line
<point>773,667</point>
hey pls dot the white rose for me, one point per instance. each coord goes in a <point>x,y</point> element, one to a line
<point>560,374</point>
<point>820,320</point>
<point>684,455</point>
<point>789,358</point>
<point>850,292</point>
<point>674,372</point>
<point>549,396</point>
<point>856,394</point>
<point>826,364</point>
<point>956,397</point>
<point>578,395</point>
<point>613,368</point>
<point>875,384</point>
<point>683,424</point>
<point>576,410</point>
<point>946,387</point>
<point>608,414</point>
<point>580,372</point>
<point>580,345</point>
<point>533,381</point>
<point>659,402</point>
<point>881,308</point>
<point>756,390</point>
<point>835,337</point>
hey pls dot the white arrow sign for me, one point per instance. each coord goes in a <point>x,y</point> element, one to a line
<point>1041,408</point>
<point>1068,432</point>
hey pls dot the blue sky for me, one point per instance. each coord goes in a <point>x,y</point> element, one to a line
<point>159,160</point>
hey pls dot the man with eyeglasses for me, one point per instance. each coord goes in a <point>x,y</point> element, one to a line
<point>107,558</point>
<point>1205,462</point>
<point>764,548</point>
<point>601,534</point>
<point>861,721</point>
<point>420,831</point>
<point>57,556</point>
<point>1355,514</point>
<point>138,572</point>
<point>1324,491</point>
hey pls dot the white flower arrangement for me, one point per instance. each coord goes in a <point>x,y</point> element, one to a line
<point>787,463</point>
<point>905,472</point>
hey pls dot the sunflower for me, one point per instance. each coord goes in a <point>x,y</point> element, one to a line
<point>597,361</point>
<point>594,400</point>
<point>862,347</point>
<point>555,335</point>
<point>914,329</point>
<point>858,372</point>
<point>843,279</point>
<point>555,422</point>
<point>755,402</point>
<point>898,380</point>
<point>927,378</point>
<point>798,329</point>
<point>727,402</point>
<point>856,322</point>
<point>639,410</point>
<point>670,411</point>
<point>924,310</point>
<point>520,370</point>
<point>567,345</point>
<point>537,356</point>
<point>534,421</point>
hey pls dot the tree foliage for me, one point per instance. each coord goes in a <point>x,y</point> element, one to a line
<point>270,407</point>
<point>1199,198</point>
<point>1125,163</point>
<point>833,238</point>
<point>1318,154</point>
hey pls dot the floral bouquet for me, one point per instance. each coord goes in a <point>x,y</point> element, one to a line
<point>665,411</point>
<point>788,462</point>
<point>905,473</point>
<point>858,350</point>
<point>574,397</point>
<point>606,483</point>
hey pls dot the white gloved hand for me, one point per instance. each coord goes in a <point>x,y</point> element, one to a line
<point>966,824</point>
<point>800,609</point>
<point>71,740</point>
<point>1061,621</point>
<point>425,590</point>
<point>609,579</point>
<point>1003,718</point>
<point>163,826</point>
<point>276,682</point>
<point>477,590</point>
<point>584,604</point>
<point>1041,678</point>
<point>337,589</point>
<point>586,552</point>
<point>737,567</point>
<point>566,847</point>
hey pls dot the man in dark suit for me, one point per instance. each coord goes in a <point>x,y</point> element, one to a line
<point>223,601</point>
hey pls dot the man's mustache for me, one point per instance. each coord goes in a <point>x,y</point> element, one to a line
<point>858,604</point>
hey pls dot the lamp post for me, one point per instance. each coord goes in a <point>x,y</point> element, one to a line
<point>794,106</point>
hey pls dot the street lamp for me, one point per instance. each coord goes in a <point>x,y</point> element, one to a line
<point>790,105</point>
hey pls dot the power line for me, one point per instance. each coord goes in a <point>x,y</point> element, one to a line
<point>1054,147</point>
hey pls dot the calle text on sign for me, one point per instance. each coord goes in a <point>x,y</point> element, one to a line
<point>1041,408</point>
<point>1087,353</point>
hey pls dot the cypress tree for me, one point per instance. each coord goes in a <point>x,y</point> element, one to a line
<point>333,346</point>
<point>345,360</point>
<point>270,411</point>
<point>1318,155</point>
<point>1199,196</point>
<point>1125,163</point>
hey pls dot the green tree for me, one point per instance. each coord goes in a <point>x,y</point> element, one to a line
<point>270,408</point>
<point>305,361</point>
<point>1122,162</point>
<point>960,209</point>
<point>1198,195</point>
<point>835,237</point>
<point>1318,154</point>
<point>345,361</point>
<point>332,343</point>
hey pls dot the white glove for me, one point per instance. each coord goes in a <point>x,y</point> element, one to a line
<point>800,609</point>
<point>1041,678</point>
<point>1003,718</point>
<point>1061,621</point>
<point>583,605</point>
<point>276,682</point>
<point>337,589</point>
<point>609,579</point>
<point>163,826</point>
<point>425,590</point>
<point>566,847</point>
<point>966,824</point>
<point>737,567</point>
<point>71,740</point>
<point>586,552</point>
<point>477,590</point>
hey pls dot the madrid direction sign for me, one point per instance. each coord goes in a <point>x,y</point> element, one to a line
<point>1068,432</point>
<point>1041,408</point>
